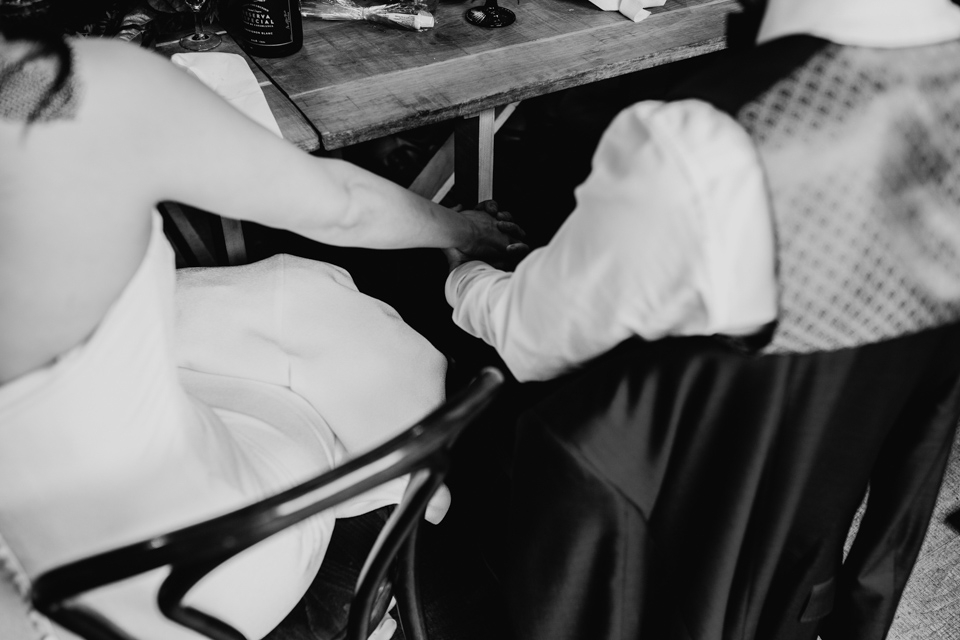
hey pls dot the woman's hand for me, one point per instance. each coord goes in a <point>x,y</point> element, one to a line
<point>497,239</point>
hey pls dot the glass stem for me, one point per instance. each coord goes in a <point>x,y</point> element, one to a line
<point>198,31</point>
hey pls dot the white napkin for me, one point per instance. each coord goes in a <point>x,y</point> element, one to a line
<point>229,75</point>
<point>636,10</point>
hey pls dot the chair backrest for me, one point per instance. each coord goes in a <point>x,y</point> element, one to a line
<point>683,489</point>
<point>194,551</point>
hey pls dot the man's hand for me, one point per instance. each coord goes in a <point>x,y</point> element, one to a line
<point>498,241</point>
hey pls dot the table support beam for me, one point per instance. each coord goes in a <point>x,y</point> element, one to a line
<point>473,157</point>
<point>234,242</point>
<point>437,178</point>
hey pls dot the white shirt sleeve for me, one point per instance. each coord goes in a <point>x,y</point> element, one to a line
<point>671,235</point>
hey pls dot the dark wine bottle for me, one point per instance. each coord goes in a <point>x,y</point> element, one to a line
<point>271,28</point>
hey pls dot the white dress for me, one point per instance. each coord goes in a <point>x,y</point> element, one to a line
<point>198,393</point>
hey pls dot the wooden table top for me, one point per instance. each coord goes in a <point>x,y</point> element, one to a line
<point>355,81</point>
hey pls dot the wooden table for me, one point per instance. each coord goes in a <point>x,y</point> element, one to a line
<point>355,81</point>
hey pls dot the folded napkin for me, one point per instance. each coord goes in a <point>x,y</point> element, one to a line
<point>636,10</point>
<point>229,75</point>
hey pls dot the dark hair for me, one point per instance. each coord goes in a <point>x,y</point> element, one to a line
<point>42,23</point>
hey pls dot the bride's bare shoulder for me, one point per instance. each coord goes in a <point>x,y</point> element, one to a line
<point>121,73</point>
<point>115,56</point>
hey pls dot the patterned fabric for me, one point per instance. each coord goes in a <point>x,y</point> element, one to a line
<point>28,90</point>
<point>15,600</point>
<point>869,234</point>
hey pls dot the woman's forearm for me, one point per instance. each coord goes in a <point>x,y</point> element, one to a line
<point>378,213</point>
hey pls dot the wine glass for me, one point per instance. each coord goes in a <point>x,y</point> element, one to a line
<point>490,15</point>
<point>201,39</point>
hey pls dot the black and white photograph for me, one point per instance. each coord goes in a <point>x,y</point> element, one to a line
<point>479,320</point>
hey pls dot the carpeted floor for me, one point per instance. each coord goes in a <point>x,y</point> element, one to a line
<point>930,606</point>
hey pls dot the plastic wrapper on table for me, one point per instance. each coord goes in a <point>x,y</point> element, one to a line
<point>137,27</point>
<point>414,15</point>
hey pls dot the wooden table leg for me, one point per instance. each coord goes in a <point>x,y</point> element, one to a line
<point>437,178</point>
<point>202,255</point>
<point>233,239</point>
<point>473,157</point>
<point>236,248</point>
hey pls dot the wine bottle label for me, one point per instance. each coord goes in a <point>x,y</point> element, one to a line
<point>267,22</point>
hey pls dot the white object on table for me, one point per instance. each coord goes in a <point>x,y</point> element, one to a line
<point>636,10</point>
<point>229,75</point>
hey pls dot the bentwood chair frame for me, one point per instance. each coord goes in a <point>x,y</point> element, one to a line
<point>423,451</point>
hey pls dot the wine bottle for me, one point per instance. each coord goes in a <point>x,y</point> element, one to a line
<point>271,28</point>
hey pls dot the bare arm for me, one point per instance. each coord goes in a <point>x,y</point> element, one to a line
<point>76,194</point>
<point>255,176</point>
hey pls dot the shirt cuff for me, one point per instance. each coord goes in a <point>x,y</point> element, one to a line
<point>452,288</point>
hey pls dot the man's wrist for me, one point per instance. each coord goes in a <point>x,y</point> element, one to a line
<point>455,258</point>
<point>462,232</point>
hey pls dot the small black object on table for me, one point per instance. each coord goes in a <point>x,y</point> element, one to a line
<point>490,15</point>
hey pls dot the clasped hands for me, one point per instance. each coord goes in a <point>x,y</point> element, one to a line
<point>498,240</point>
